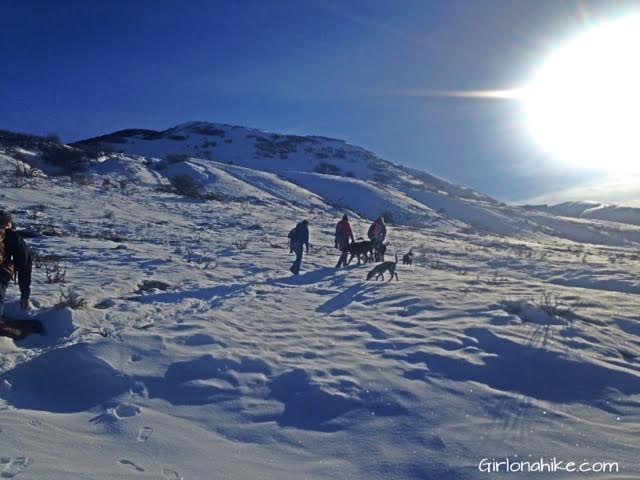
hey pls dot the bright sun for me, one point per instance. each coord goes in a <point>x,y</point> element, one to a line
<point>583,106</point>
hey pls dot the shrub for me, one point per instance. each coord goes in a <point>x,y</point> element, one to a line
<point>70,299</point>
<point>55,271</point>
<point>547,309</point>
<point>14,140</point>
<point>327,168</point>
<point>204,129</point>
<point>381,178</point>
<point>187,186</point>
<point>68,160</point>
<point>176,158</point>
<point>150,285</point>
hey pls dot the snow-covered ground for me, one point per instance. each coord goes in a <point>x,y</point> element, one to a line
<point>523,344</point>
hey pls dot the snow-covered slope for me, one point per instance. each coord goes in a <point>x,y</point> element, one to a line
<point>290,155</point>
<point>351,177</point>
<point>272,152</point>
<point>594,210</point>
<point>198,356</point>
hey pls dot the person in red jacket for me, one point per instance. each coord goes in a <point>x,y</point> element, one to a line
<point>343,235</point>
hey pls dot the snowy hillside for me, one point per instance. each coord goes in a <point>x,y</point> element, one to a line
<point>272,152</point>
<point>196,355</point>
<point>334,169</point>
<point>350,177</point>
<point>594,210</point>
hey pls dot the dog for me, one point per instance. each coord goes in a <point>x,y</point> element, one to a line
<point>379,270</point>
<point>408,258</point>
<point>379,250</point>
<point>363,250</point>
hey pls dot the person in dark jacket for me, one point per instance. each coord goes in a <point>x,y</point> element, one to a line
<point>343,235</point>
<point>15,258</point>
<point>299,239</point>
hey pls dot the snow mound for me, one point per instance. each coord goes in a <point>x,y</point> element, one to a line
<point>64,380</point>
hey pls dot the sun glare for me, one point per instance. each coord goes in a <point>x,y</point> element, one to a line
<point>583,106</point>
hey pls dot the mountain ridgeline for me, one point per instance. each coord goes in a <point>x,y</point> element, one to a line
<point>219,161</point>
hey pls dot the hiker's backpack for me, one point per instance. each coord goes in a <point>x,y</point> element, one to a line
<point>372,231</point>
<point>292,233</point>
<point>6,266</point>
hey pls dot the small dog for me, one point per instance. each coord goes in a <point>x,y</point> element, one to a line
<point>408,258</point>
<point>363,250</point>
<point>379,270</point>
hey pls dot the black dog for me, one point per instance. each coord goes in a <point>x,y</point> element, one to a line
<point>379,249</point>
<point>363,250</point>
<point>408,258</point>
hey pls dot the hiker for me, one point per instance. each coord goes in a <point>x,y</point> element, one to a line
<point>377,231</point>
<point>377,234</point>
<point>343,235</point>
<point>298,238</point>
<point>15,258</point>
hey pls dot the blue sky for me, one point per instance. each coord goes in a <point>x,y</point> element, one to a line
<point>334,68</point>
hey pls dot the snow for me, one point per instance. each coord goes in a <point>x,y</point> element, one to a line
<point>508,336</point>
<point>597,211</point>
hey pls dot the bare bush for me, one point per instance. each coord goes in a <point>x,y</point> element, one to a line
<point>327,168</point>
<point>48,230</point>
<point>551,303</point>
<point>55,271</point>
<point>16,181</point>
<point>149,285</point>
<point>242,244</point>
<point>176,158</point>
<point>68,160</point>
<point>202,260</point>
<point>42,259</point>
<point>70,299</point>
<point>547,308</point>
<point>187,186</point>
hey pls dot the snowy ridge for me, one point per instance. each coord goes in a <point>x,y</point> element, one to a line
<point>351,177</point>
<point>594,210</point>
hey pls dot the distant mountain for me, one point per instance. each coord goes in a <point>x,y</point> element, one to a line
<point>275,153</point>
<point>343,174</point>
<point>310,174</point>
<point>593,211</point>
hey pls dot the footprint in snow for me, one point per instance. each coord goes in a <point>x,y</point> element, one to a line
<point>171,474</point>
<point>125,410</point>
<point>145,433</point>
<point>130,464</point>
<point>13,467</point>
